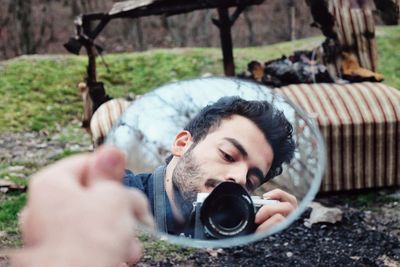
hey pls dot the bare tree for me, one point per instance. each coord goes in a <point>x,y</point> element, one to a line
<point>40,26</point>
<point>23,11</point>
<point>249,23</point>
<point>292,11</point>
<point>139,34</point>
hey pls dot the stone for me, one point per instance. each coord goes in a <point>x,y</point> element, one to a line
<point>16,168</point>
<point>322,214</point>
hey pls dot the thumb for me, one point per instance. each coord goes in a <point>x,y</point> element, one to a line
<point>107,162</point>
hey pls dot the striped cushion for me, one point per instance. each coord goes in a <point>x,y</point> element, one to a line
<point>105,117</point>
<point>360,125</point>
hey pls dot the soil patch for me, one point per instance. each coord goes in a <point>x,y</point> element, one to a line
<point>36,147</point>
<point>362,238</point>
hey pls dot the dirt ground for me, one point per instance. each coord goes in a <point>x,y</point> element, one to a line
<point>368,235</point>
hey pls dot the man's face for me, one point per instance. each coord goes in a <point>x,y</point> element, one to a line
<point>236,151</point>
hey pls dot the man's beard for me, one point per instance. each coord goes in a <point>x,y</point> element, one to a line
<point>187,177</point>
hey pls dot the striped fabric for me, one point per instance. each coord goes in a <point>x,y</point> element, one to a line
<point>355,29</point>
<point>104,118</point>
<point>360,125</point>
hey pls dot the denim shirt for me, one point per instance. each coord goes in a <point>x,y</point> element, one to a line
<point>145,182</point>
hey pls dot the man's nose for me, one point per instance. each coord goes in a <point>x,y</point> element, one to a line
<point>237,174</point>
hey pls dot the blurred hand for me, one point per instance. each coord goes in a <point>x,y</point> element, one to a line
<point>270,215</point>
<point>79,214</point>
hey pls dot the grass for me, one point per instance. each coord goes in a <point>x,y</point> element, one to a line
<point>39,93</point>
<point>389,55</point>
<point>65,153</point>
<point>370,198</point>
<point>9,209</point>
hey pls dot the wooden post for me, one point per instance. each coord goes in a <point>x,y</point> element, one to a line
<point>224,25</point>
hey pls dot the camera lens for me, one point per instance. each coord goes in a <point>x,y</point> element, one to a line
<point>229,214</point>
<point>228,211</point>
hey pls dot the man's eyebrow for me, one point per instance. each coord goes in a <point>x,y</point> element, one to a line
<point>257,172</point>
<point>238,146</point>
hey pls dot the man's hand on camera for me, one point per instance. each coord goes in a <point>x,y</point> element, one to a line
<point>270,215</point>
<point>79,214</point>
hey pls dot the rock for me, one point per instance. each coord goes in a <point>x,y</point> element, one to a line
<point>3,234</point>
<point>75,148</point>
<point>389,262</point>
<point>43,145</point>
<point>322,214</point>
<point>214,252</point>
<point>6,183</point>
<point>395,195</point>
<point>16,168</point>
<point>55,152</point>
<point>3,190</point>
<point>289,254</point>
<point>17,175</point>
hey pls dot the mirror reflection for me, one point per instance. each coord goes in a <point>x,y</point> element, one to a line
<point>219,158</point>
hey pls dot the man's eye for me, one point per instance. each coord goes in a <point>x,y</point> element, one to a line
<point>252,183</point>
<point>249,185</point>
<point>227,157</point>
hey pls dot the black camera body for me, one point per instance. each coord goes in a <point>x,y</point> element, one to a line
<point>228,211</point>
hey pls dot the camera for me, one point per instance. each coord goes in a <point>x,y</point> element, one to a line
<point>228,211</point>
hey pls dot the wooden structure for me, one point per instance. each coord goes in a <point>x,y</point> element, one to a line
<point>89,26</point>
<point>349,27</point>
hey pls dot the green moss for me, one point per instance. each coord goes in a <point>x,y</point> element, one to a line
<point>161,251</point>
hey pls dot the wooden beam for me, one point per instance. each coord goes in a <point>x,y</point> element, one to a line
<point>173,7</point>
<point>236,14</point>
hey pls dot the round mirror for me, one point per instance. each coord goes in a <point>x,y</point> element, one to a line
<point>211,174</point>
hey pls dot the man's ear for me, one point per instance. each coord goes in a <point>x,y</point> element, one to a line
<point>183,141</point>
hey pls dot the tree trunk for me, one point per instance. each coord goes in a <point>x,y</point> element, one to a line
<point>292,9</point>
<point>206,36</point>
<point>139,34</point>
<point>250,30</point>
<point>25,27</point>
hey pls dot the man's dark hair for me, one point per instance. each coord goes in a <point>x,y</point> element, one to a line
<point>272,122</point>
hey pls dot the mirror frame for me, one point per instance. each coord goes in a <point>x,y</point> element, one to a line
<point>242,240</point>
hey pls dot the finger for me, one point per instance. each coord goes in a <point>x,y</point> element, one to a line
<point>135,251</point>
<point>141,208</point>
<point>22,217</point>
<point>27,235</point>
<point>129,199</point>
<point>74,166</point>
<point>267,211</point>
<point>274,220</point>
<point>280,195</point>
<point>107,162</point>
